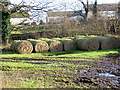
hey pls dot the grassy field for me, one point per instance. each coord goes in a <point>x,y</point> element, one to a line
<point>46,70</point>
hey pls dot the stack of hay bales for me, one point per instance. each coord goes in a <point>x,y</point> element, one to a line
<point>39,46</point>
<point>54,45</point>
<point>108,42</point>
<point>68,44</point>
<point>23,46</point>
<point>89,44</point>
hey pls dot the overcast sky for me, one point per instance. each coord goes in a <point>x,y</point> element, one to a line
<point>99,1</point>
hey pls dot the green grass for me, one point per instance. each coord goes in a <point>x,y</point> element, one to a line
<point>16,32</point>
<point>90,54</point>
<point>14,54</point>
<point>76,53</point>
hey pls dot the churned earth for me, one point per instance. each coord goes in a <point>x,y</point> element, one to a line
<point>62,70</point>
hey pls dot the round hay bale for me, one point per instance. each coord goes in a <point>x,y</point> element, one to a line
<point>23,46</point>
<point>69,45</point>
<point>108,42</point>
<point>13,44</point>
<point>119,40</point>
<point>55,46</point>
<point>89,44</point>
<point>39,46</point>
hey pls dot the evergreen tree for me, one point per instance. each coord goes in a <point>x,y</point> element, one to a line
<point>95,9</point>
<point>6,25</point>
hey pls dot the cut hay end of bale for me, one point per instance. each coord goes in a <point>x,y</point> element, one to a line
<point>55,46</point>
<point>69,45</point>
<point>119,40</point>
<point>89,44</point>
<point>39,46</point>
<point>23,46</point>
<point>108,42</point>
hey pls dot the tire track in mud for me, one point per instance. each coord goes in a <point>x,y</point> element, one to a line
<point>100,63</point>
<point>103,64</point>
<point>50,59</point>
<point>77,62</point>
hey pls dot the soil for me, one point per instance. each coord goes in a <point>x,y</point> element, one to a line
<point>105,72</point>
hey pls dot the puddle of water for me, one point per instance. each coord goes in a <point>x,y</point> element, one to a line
<point>106,75</point>
<point>76,70</point>
<point>81,71</point>
<point>115,81</point>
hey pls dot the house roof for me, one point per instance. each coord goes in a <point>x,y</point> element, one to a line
<point>20,15</point>
<point>60,13</point>
<point>107,7</point>
<point>63,13</point>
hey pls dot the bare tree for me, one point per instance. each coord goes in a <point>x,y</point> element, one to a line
<point>86,8</point>
<point>77,5</point>
<point>8,9</point>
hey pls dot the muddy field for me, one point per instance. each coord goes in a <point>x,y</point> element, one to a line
<point>103,73</point>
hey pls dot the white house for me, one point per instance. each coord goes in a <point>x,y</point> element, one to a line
<point>105,11</point>
<point>15,21</point>
<point>28,18</point>
<point>57,17</point>
<point>18,17</point>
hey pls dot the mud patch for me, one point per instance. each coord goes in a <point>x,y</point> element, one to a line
<point>101,74</point>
